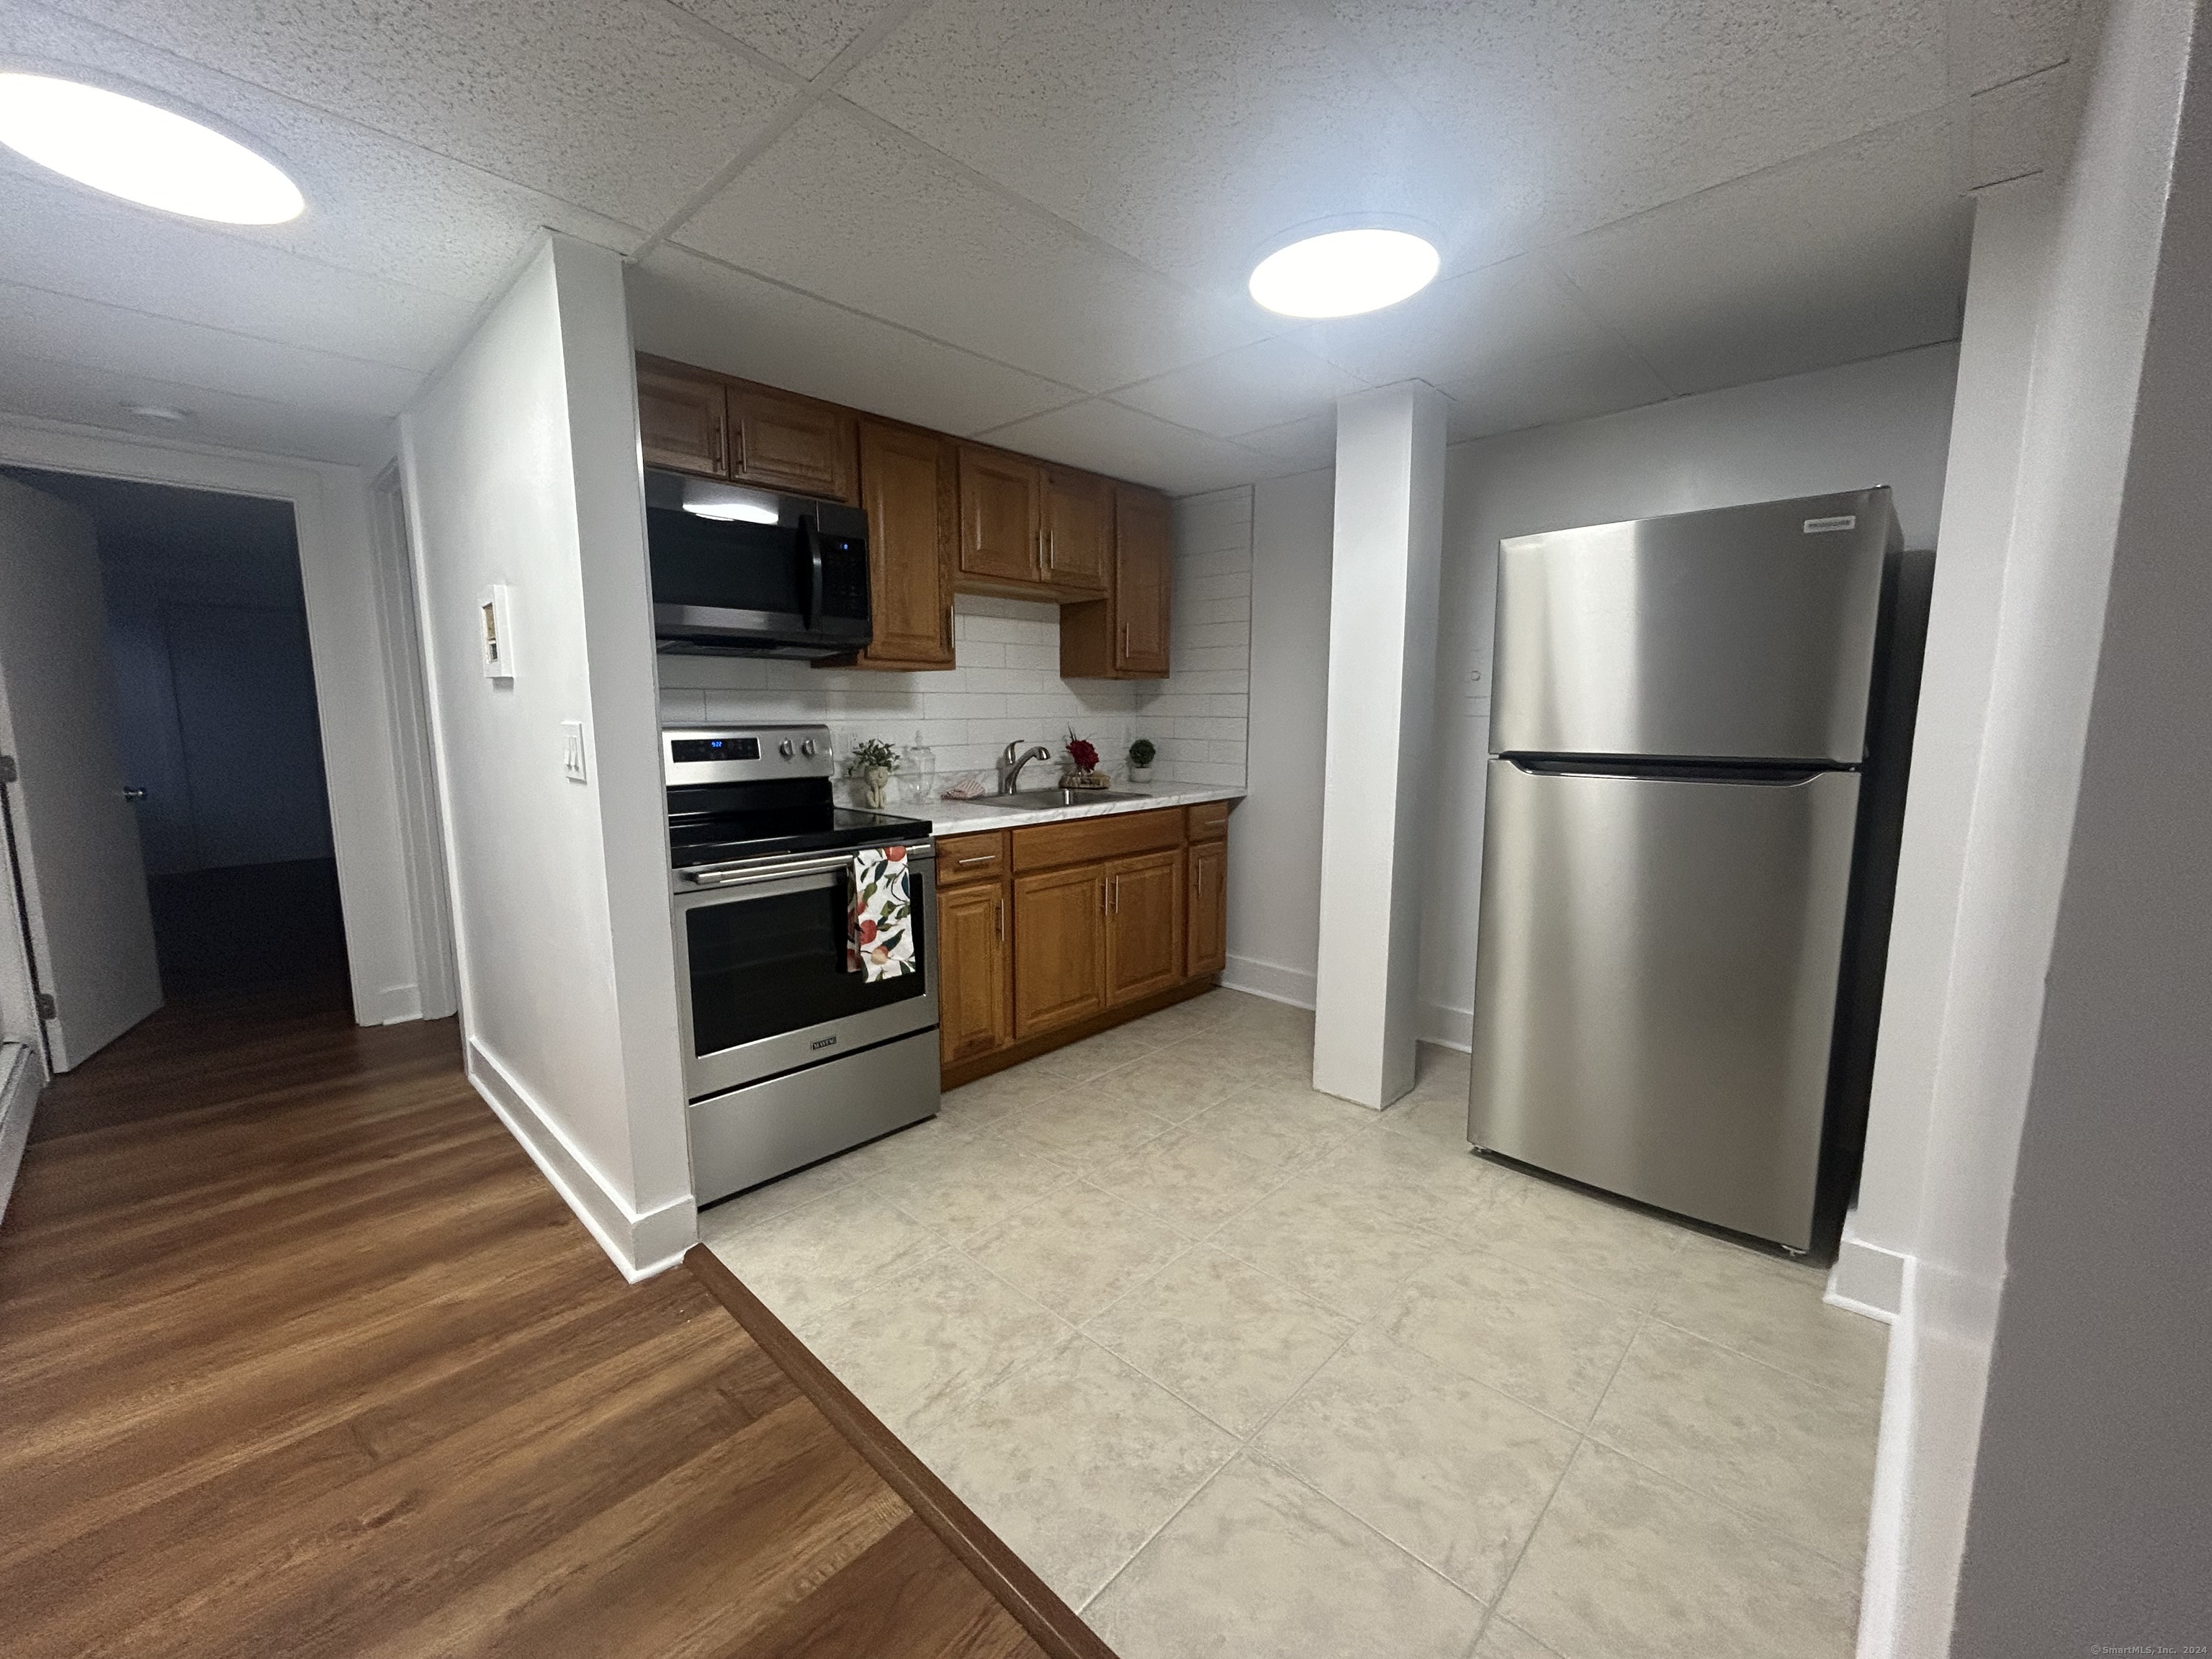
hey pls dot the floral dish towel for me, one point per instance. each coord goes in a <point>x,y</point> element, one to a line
<point>879,936</point>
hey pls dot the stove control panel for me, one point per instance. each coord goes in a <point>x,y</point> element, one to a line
<point>749,754</point>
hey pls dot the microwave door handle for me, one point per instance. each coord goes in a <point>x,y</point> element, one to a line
<point>810,540</point>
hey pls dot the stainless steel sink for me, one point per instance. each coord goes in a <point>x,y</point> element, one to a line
<point>1029,800</point>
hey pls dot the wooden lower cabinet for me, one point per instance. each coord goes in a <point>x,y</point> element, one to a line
<point>1144,926</point>
<point>1121,912</point>
<point>1209,907</point>
<point>975,971</point>
<point>1059,967</point>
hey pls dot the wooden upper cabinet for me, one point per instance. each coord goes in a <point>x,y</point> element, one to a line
<point>1124,637</point>
<point>1078,531</point>
<point>683,419</point>
<point>785,441</point>
<point>1001,516</point>
<point>908,486</point>
<point>1144,926</point>
<point>1143,579</point>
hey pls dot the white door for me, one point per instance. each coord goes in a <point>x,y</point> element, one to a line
<point>76,840</point>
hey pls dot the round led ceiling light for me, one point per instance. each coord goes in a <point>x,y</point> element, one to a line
<point>1342,273</point>
<point>143,154</point>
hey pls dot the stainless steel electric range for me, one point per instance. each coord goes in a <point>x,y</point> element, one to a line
<point>789,1055</point>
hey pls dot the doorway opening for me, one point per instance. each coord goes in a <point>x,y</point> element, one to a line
<point>218,736</point>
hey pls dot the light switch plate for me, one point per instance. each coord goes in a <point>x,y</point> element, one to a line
<point>573,762</point>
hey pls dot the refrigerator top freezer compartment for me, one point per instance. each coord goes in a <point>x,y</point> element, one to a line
<point>1743,633</point>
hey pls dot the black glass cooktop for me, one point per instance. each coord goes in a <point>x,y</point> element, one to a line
<point>718,823</point>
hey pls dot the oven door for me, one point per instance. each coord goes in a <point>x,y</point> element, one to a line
<point>760,970</point>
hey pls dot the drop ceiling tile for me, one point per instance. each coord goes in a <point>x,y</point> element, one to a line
<point>1855,252</point>
<point>93,396</point>
<point>1508,396</point>
<point>2024,126</point>
<point>609,105</point>
<point>69,241</point>
<point>686,306</point>
<point>37,324</point>
<point>1300,444</point>
<point>1449,330</point>
<point>2013,38</point>
<point>1584,110</point>
<point>1266,384</point>
<point>844,208</point>
<point>1123,443</point>
<point>802,35</point>
<point>374,204</point>
<point>1188,132</point>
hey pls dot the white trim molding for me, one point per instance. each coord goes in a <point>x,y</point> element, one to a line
<point>1447,1028</point>
<point>1270,980</point>
<point>331,514</point>
<point>22,1075</point>
<point>639,1242</point>
<point>1866,1279</point>
<point>1882,1577</point>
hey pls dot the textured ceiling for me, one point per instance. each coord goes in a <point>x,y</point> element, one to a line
<point>1032,219</point>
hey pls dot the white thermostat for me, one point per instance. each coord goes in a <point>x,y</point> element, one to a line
<point>497,627</point>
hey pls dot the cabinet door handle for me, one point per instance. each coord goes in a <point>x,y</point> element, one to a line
<point>1051,551</point>
<point>1102,895</point>
<point>1125,641</point>
<point>980,858</point>
<point>998,919</point>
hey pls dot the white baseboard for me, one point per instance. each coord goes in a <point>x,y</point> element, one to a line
<point>1447,1028</point>
<point>1882,1577</point>
<point>1866,1279</point>
<point>639,1242</point>
<point>22,1075</point>
<point>1270,980</point>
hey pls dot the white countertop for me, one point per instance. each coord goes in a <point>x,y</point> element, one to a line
<point>959,817</point>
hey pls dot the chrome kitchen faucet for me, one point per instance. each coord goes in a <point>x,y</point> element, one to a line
<point>1011,764</point>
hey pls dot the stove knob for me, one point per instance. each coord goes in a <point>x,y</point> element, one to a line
<point>784,749</point>
<point>807,748</point>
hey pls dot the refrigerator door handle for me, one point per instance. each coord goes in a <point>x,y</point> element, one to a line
<point>1769,774</point>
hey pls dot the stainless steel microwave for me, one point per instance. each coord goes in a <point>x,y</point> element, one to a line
<point>747,572</point>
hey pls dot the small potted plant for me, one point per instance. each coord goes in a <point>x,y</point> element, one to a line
<point>874,760</point>
<point>1142,754</point>
<point>1082,756</point>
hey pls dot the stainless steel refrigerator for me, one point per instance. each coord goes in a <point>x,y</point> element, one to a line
<point>1679,725</point>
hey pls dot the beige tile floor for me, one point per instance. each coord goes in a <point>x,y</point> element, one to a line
<point>1244,1369</point>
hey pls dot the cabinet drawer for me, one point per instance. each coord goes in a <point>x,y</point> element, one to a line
<point>1086,841</point>
<point>971,858</point>
<point>1209,820</point>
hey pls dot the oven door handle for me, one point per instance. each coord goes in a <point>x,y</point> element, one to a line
<point>749,875</point>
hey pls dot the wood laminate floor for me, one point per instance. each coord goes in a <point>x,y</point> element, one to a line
<point>300,1355</point>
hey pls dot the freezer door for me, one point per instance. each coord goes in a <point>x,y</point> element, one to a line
<point>1656,986</point>
<point>1744,633</point>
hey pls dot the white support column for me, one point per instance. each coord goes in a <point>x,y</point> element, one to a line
<point>1381,692</point>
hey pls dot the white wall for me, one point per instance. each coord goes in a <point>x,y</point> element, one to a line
<point>331,507</point>
<point>1005,686</point>
<point>1881,421</point>
<point>2095,1412</point>
<point>2067,1523</point>
<point>521,468</point>
<point>1982,474</point>
<point>1275,837</point>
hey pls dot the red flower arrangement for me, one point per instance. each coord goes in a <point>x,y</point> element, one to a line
<point>1083,752</point>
